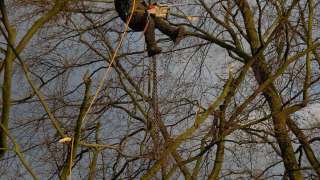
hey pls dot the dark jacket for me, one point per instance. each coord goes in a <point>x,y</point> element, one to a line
<point>140,17</point>
<point>123,7</point>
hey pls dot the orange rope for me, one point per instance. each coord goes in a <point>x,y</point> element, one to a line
<point>105,75</point>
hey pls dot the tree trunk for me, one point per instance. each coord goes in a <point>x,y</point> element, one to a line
<point>279,121</point>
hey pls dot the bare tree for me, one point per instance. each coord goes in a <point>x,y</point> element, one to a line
<point>82,99</point>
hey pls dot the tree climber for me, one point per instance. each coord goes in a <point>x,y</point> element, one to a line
<point>143,21</point>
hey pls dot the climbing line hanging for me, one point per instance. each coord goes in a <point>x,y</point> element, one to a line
<point>105,75</point>
<point>155,100</point>
<point>155,104</point>
<point>101,82</point>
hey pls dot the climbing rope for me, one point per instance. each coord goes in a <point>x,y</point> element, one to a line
<point>155,101</point>
<point>155,107</point>
<point>104,77</point>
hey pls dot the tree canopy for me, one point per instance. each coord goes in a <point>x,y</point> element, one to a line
<point>237,98</point>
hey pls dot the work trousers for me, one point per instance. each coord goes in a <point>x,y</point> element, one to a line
<point>141,21</point>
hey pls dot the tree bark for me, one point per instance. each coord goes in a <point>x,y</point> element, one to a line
<point>279,121</point>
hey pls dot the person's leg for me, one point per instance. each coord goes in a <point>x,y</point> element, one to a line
<point>141,22</point>
<point>176,34</point>
<point>150,39</point>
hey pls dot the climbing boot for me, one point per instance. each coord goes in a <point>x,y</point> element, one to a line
<point>178,35</point>
<point>153,50</point>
